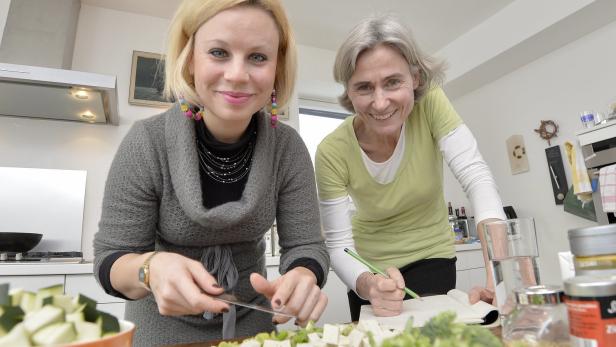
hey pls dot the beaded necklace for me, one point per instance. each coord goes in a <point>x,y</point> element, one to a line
<point>226,169</point>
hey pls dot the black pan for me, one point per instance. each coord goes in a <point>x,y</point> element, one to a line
<point>18,242</point>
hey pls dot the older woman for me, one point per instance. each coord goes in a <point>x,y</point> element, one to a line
<point>192,191</point>
<point>388,158</point>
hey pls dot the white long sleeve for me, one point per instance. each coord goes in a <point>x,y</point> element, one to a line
<point>336,223</point>
<point>460,152</point>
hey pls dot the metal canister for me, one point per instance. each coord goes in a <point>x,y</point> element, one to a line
<point>593,250</point>
<point>591,307</point>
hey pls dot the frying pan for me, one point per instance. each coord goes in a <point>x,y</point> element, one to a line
<point>18,242</point>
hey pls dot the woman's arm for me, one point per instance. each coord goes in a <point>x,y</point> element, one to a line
<point>461,153</point>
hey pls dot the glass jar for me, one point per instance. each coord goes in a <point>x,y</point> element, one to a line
<point>593,250</point>
<point>539,318</point>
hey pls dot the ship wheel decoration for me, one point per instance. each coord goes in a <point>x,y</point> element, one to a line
<point>547,130</point>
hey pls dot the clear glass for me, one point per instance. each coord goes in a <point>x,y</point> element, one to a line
<point>513,256</point>
<point>537,325</point>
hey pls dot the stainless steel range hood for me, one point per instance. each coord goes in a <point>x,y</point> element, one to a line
<point>40,92</point>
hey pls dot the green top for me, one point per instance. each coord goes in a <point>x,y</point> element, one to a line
<point>405,220</point>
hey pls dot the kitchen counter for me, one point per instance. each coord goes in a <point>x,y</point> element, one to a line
<point>45,268</point>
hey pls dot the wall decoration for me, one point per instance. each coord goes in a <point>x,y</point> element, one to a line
<point>517,154</point>
<point>547,130</point>
<point>147,80</point>
<point>557,174</point>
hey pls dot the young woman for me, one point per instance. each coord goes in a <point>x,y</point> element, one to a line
<point>192,191</point>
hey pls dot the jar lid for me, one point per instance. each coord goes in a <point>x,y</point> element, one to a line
<point>595,240</point>
<point>539,295</point>
<point>591,286</point>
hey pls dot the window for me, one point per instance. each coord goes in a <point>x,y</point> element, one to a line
<point>315,124</point>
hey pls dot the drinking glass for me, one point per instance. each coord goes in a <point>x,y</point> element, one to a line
<point>513,256</point>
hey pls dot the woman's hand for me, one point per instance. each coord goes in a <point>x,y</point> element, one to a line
<point>481,293</point>
<point>385,294</point>
<point>296,291</point>
<point>182,286</point>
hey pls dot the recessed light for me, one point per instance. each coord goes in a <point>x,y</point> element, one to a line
<point>81,94</point>
<point>88,116</point>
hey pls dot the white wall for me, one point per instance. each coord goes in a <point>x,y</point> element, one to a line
<point>558,86</point>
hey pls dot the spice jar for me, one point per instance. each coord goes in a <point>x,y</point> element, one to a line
<point>591,305</point>
<point>539,318</point>
<point>593,250</point>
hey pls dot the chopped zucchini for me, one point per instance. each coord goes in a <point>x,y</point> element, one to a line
<point>54,334</point>
<point>18,337</point>
<point>108,323</point>
<point>28,301</point>
<point>9,317</point>
<point>43,317</point>
<point>5,299</point>
<point>87,306</point>
<point>87,331</point>
<point>16,295</point>
<point>43,293</point>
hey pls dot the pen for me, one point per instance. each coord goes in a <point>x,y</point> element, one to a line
<point>377,270</point>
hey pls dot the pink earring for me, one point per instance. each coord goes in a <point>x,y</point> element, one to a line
<point>189,111</point>
<point>274,113</point>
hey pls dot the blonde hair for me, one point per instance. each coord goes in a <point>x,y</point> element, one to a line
<point>188,19</point>
<point>385,30</point>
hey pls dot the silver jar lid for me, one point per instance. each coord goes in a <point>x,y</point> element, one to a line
<point>539,295</point>
<point>591,241</point>
<point>591,286</point>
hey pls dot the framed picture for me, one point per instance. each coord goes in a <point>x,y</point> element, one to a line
<point>147,80</point>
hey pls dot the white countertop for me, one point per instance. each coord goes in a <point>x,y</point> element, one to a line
<point>45,268</point>
<point>53,268</point>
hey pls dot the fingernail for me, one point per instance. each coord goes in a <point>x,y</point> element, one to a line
<point>225,310</point>
<point>274,322</point>
<point>216,285</point>
<point>277,302</point>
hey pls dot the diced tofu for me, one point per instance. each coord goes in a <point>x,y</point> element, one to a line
<point>271,343</point>
<point>331,334</point>
<point>343,341</point>
<point>250,343</point>
<point>355,338</point>
<point>305,344</point>
<point>284,343</point>
<point>314,337</point>
<point>369,325</point>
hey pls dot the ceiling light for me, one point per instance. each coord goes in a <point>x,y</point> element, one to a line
<point>88,117</point>
<point>81,94</point>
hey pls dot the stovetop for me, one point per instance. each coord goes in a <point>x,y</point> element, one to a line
<point>40,257</point>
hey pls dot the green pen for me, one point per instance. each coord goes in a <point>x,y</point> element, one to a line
<point>377,270</point>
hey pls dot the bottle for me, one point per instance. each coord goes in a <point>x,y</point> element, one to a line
<point>457,213</point>
<point>462,213</point>
<point>450,211</point>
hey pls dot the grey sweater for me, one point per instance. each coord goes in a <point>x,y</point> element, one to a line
<point>153,201</point>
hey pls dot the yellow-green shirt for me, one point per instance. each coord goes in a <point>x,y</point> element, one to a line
<point>404,220</point>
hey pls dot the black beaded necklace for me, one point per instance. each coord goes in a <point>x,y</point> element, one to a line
<point>226,163</point>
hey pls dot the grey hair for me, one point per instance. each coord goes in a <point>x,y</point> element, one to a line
<point>385,30</point>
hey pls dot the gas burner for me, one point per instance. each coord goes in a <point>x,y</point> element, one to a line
<point>30,257</point>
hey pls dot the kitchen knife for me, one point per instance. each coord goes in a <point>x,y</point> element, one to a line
<point>233,300</point>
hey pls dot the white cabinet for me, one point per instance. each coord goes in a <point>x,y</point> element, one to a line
<point>76,278</point>
<point>470,268</point>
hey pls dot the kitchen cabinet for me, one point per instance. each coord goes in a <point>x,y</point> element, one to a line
<point>76,278</point>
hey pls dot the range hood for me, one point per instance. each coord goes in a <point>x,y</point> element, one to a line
<point>41,92</point>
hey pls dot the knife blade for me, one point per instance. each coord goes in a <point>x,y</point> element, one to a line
<point>233,300</point>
